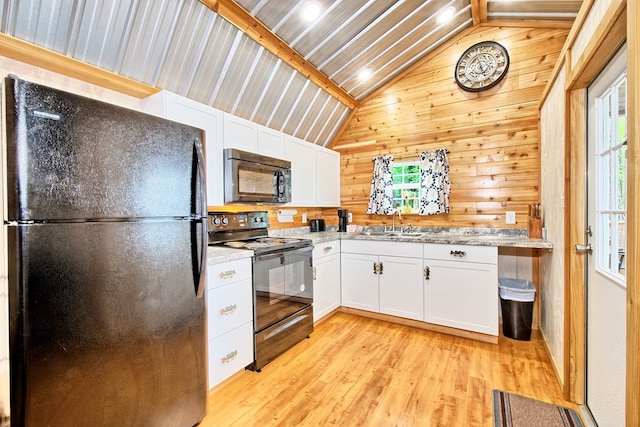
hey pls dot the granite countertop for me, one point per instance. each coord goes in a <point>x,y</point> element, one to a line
<point>514,238</point>
<point>458,236</point>
<point>220,254</point>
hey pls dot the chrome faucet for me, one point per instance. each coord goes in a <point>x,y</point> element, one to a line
<point>393,218</point>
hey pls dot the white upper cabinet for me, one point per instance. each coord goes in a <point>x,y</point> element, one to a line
<point>315,170</point>
<point>184,110</point>
<point>240,133</point>
<point>315,173</point>
<point>270,142</point>
<point>327,177</point>
<point>302,156</point>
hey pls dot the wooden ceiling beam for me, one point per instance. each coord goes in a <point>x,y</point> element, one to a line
<point>479,12</point>
<point>240,18</point>
<point>20,50</point>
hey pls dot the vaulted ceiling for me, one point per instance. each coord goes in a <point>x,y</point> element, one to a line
<point>259,59</point>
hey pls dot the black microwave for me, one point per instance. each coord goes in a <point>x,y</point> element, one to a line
<point>255,178</point>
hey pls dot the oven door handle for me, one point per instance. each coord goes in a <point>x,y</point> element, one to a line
<point>278,254</point>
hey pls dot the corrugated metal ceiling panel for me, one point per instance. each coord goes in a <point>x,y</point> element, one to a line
<point>184,47</point>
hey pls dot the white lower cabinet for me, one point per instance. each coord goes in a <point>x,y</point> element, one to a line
<point>383,277</point>
<point>400,287</point>
<point>326,278</point>
<point>229,305</point>
<point>461,287</point>
<point>359,282</point>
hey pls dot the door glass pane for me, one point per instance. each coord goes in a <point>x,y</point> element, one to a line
<point>611,184</point>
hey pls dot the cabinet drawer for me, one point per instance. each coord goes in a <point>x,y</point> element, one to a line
<point>401,249</point>
<point>326,248</point>
<point>466,253</point>
<point>230,353</point>
<point>228,307</point>
<point>228,272</point>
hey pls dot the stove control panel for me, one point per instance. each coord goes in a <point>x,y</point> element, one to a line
<point>234,221</point>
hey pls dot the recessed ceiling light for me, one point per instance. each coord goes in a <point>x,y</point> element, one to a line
<point>446,15</point>
<point>364,74</point>
<point>311,11</point>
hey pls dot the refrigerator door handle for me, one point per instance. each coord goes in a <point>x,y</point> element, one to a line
<point>201,276</point>
<point>197,147</point>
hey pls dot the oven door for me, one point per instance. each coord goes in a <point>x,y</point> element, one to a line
<point>283,285</point>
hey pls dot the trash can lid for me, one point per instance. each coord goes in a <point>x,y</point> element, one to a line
<point>516,285</point>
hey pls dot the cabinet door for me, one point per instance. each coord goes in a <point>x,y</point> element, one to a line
<point>302,156</point>
<point>401,287</point>
<point>462,295</point>
<point>240,133</point>
<point>326,285</point>
<point>270,142</point>
<point>359,283</point>
<point>230,353</point>
<point>228,307</point>
<point>184,110</point>
<point>328,177</point>
<point>228,272</point>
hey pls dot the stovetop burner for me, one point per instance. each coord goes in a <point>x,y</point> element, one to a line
<point>248,230</point>
<point>265,244</point>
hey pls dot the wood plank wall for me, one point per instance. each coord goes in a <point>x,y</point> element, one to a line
<point>492,136</point>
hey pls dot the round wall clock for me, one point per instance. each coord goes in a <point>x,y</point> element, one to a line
<point>482,66</point>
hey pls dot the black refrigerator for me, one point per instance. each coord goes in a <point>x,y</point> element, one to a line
<point>105,225</point>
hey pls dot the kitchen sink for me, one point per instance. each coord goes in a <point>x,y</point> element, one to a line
<point>410,234</point>
<point>373,233</point>
<point>391,233</point>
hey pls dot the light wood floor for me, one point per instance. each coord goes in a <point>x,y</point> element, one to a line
<point>356,371</point>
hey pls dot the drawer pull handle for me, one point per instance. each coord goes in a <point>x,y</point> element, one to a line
<point>230,309</point>
<point>328,249</point>
<point>226,275</point>
<point>427,273</point>
<point>229,357</point>
<point>315,275</point>
<point>459,254</point>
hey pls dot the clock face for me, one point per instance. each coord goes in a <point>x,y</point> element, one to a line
<point>482,66</point>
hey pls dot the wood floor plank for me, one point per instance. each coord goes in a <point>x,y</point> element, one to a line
<point>357,371</point>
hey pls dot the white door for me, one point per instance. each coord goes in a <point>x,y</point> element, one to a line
<point>606,214</point>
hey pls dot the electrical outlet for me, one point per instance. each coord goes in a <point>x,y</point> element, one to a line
<point>349,217</point>
<point>510,217</point>
<point>304,218</point>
